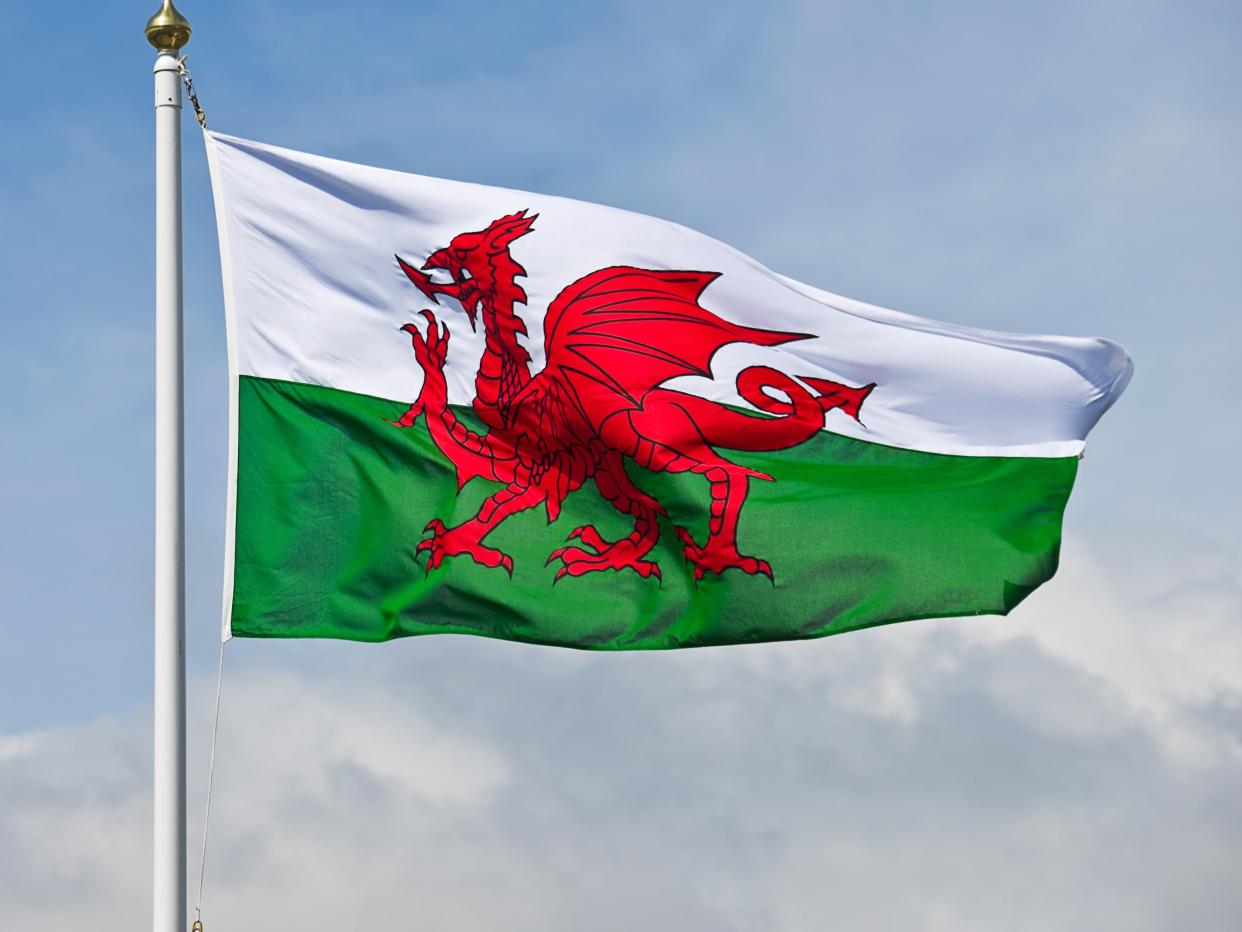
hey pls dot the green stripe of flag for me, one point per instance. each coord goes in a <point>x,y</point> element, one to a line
<point>332,500</point>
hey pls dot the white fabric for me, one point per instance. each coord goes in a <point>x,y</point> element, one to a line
<point>317,297</point>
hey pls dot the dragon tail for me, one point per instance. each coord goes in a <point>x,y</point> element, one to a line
<point>799,415</point>
<point>836,395</point>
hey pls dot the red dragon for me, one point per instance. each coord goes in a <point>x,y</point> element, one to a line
<point>612,339</point>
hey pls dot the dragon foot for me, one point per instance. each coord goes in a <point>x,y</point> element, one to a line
<point>718,555</point>
<point>460,541</point>
<point>597,554</point>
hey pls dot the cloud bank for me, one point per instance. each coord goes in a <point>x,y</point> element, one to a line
<point>1072,767</point>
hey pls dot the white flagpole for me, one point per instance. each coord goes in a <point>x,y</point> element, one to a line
<point>169,32</point>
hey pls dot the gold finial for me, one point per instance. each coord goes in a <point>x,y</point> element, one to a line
<point>168,30</point>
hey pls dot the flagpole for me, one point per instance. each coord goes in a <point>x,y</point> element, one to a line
<point>168,32</point>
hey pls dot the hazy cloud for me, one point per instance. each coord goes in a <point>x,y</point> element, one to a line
<point>1073,767</point>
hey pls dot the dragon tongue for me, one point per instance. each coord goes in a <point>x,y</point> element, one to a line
<point>422,281</point>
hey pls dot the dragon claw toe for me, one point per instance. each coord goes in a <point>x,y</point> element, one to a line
<point>591,539</point>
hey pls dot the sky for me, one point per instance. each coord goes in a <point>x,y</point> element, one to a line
<point>1047,167</point>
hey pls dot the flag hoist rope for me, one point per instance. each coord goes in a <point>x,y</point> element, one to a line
<point>211,773</point>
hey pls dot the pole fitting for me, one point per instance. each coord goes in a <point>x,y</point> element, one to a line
<point>188,80</point>
<point>168,30</point>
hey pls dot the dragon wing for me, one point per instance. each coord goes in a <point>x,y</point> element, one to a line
<point>614,335</point>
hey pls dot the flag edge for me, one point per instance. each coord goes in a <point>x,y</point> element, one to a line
<point>230,329</point>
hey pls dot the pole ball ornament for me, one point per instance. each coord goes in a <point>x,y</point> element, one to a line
<point>168,30</point>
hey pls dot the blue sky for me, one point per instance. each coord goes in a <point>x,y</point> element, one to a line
<point>1056,167</point>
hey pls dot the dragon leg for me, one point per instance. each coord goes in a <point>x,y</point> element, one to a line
<point>594,553</point>
<point>682,427</point>
<point>466,539</point>
<point>720,553</point>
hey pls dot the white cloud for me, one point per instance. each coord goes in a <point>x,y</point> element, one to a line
<point>1072,767</point>
<point>1171,655</point>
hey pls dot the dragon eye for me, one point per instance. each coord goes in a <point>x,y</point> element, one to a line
<point>459,253</point>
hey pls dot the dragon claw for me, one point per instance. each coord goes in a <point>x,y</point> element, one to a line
<point>718,555</point>
<point>597,555</point>
<point>591,539</point>
<point>461,541</point>
<point>435,342</point>
<point>442,350</point>
<point>431,351</point>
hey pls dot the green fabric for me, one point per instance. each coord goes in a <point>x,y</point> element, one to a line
<point>332,500</point>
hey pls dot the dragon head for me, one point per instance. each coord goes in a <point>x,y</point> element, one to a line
<point>478,264</point>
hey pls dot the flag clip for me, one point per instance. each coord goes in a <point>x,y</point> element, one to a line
<point>188,80</point>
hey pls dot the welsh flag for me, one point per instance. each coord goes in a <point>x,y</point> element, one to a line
<point>464,409</point>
